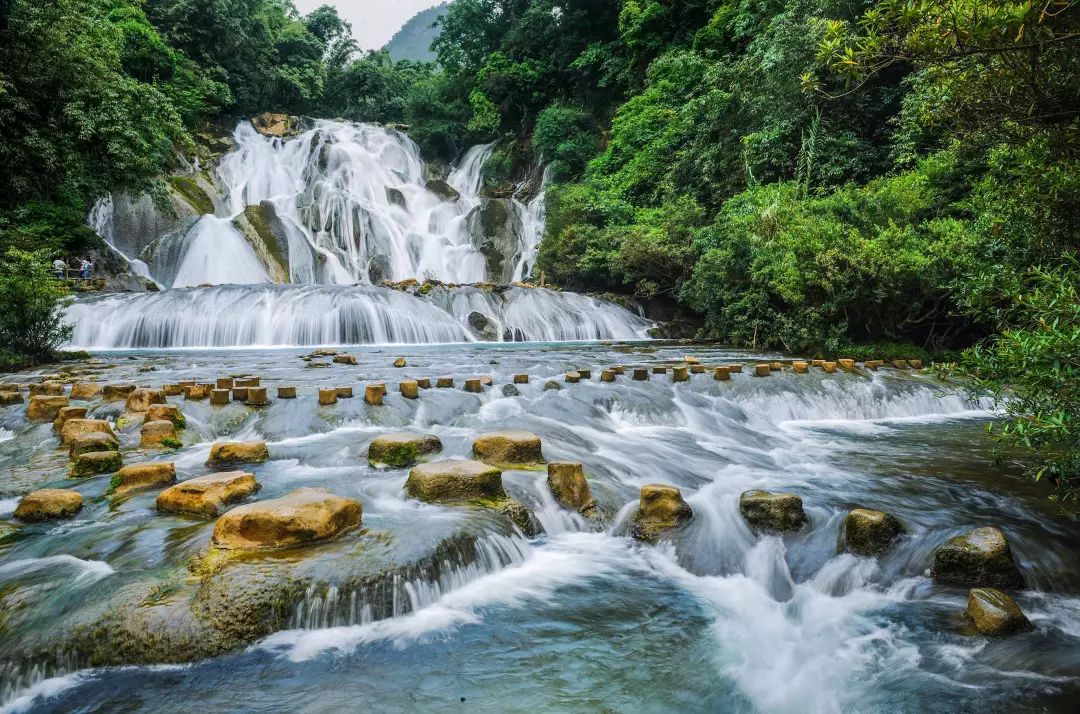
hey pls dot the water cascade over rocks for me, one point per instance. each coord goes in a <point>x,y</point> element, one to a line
<point>333,213</point>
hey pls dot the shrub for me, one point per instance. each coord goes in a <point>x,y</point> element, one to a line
<point>32,321</point>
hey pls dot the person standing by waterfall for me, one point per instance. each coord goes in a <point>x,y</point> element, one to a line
<point>59,268</point>
<point>85,266</point>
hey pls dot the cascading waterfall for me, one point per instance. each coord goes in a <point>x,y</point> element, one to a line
<point>275,315</point>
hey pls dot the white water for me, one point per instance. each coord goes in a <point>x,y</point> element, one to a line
<point>217,254</point>
<point>234,315</point>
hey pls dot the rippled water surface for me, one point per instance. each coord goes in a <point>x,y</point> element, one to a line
<point>477,617</point>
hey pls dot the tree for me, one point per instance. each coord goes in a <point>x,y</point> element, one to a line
<point>32,323</point>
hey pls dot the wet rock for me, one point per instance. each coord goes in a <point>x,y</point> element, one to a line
<point>94,463</point>
<point>569,487</point>
<point>409,388</point>
<point>452,481</point>
<point>400,362</point>
<point>521,379</point>
<point>509,390</point>
<point>846,364</point>
<point>443,190</point>
<point>762,370</point>
<point>91,441</point>
<point>869,532</point>
<point>304,516</point>
<point>139,400</point>
<point>800,367</point>
<point>48,504</point>
<point>226,383</point>
<point>286,392</point>
<point>327,397</point>
<point>139,477</point>
<point>607,375</point>
<point>49,389</point>
<point>979,558</point>
<point>117,392</point>
<point>274,124</point>
<point>158,433</point>
<point>257,397</point>
<point>206,496</point>
<point>829,367</point>
<point>346,359</point>
<point>74,428</point>
<point>166,412</point>
<point>395,197</point>
<point>67,414</point>
<point>660,509</point>
<point>423,382</point>
<point>240,394</point>
<point>247,382</point>
<point>474,385</point>
<point>772,512</point>
<point>220,397</point>
<point>345,392</point>
<point>679,374</point>
<point>522,517</point>
<point>230,453</point>
<point>572,377</point>
<point>444,383</point>
<point>401,449</point>
<point>9,398</point>
<point>995,614</point>
<point>45,408</point>
<point>552,384</point>
<point>722,374</point>
<point>373,394</point>
<point>198,392</point>
<point>508,447</point>
<point>85,391</point>
<point>641,374</point>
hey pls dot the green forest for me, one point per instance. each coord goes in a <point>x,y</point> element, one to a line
<point>822,177</point>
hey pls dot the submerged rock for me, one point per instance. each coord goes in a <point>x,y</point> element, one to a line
<point>569,487</point>
<point>869,532</point>
<point>206,496</point>
<point>48,504</point>
<point>455,481</point>
<point>522,517</point>
<point>304,516</point>
<point>402,448</point>
<point>660,508</point>
<point>995,614</point>
<point>772,512</point>
<point>508,447</point>
<point>138,477</point>
<point>228,453</point>
<point>979,558</point>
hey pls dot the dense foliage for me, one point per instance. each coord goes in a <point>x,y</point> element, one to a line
<point>31,323</point>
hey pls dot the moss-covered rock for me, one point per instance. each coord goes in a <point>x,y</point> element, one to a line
<point>661,508</point>
<point>93,441</point>
<point>94,463</point>
<point>192,193</point>
<point>522,517</point>
<point>67,414</point>
<point>980,558</point>
<point>166,412</point>
<point>139,400</point>
<point>869,532</point>
<point>455,481</point>
<point>995,614</point>
<point>230,453</point>
<point>206,496</point>
<point>569,487</point>
<point>157,433</point>
<point>443,190</point>
<point>75,428</point>
<point>401,449</point>
<point>508,447</point>
<point>304,516</point>
<point>772,512</point>
<point>48,504</point>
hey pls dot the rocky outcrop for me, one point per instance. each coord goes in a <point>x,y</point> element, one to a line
<point>206,496</point>
<point>455,481</point>
<point>508,447</point>
<point>995,614</point>
<point>869,532</point>
<point>483,327</point>
<point>980,558</point>
<point>661,508</point>
<point>48,504</point>
<point>262,229</point>
<point>569,487</point>
<point>276,125</point>
<point>443,190</point>
<point>304,516</point>
<point>231,453</point>
<point>772,512</point>
<point>401,449</point>
<point>49,389</point>
<point>139,477</point>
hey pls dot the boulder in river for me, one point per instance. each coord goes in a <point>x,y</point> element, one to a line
<point>980,558</point>
<point>96,462</point>
<point>455,481</point>
<point>206,496</point>
<point>74,428</point>
<point>139,400</point>
<point>85,391</point>
<point>51,389</point>
<point>508,447</point>
<point>117,392</point>
<point>92,441</point>
<point>569,487</point>
<point>67,414</point>
<point>443,190</point>
<point>661,508</point>
<point>158,433</point>
<point>772,512</point>
<point>304,516</point>
<point>166,412</point>
<point>995,614</point>
<point>7,398</point>
<point>229,453</point>
<point>48,504</point>
<point>45,408</point>
<point>869,532</point>
<point>522,517</point>
<point>139,477</point>
<point>401,448</point>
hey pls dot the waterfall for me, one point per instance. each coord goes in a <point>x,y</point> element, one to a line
<point>271,315</point>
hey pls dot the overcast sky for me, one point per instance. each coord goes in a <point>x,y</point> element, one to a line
<point>374,22</point>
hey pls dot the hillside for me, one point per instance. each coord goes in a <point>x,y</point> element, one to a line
<point>413,40</point>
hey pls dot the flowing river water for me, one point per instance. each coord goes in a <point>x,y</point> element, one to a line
<point>579,618</point>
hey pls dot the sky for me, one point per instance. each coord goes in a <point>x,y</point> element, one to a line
<point>374,22</point>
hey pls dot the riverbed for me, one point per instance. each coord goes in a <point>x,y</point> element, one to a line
<point>580,617</point>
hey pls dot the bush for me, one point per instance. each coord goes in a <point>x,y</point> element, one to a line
<point>565,137</point>
<point>32,322</point>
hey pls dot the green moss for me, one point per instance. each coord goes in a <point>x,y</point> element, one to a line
<point>114,484</point>
<point>190,190</point>
<point>398,455</point>
<point>98,462</point>
<point>425,288</point>
<point>171,443</point>
<point>259,219</point>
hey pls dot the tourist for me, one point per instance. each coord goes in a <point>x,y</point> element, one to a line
<point>59,268</point>
<point>85,266</point>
